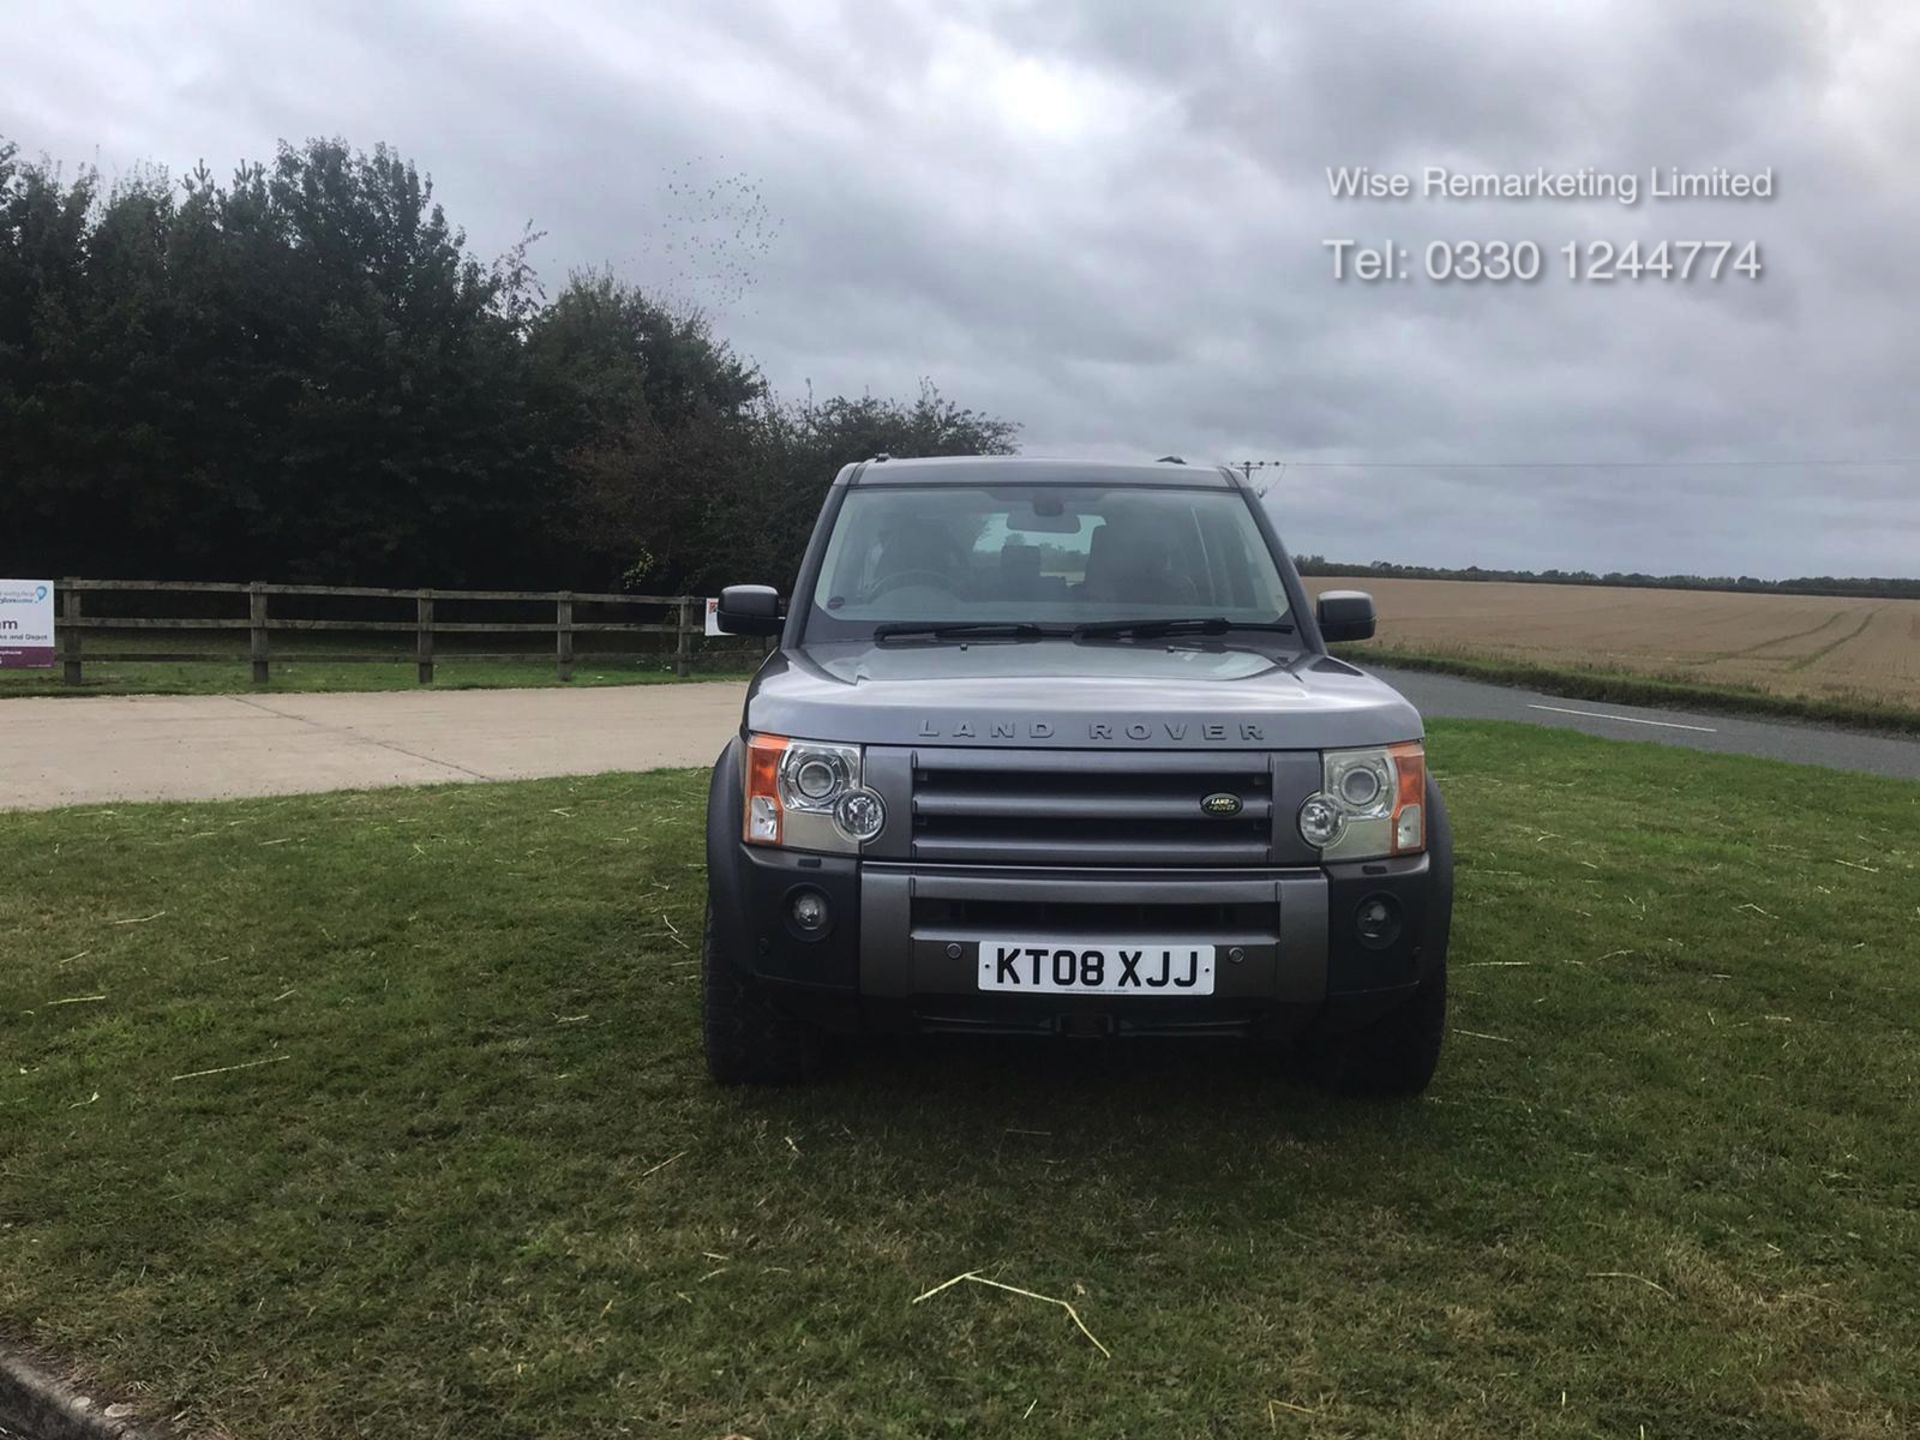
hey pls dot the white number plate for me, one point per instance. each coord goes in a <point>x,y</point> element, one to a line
<point>1096,967</point>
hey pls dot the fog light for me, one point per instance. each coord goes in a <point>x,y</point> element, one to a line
<point>860,815</point>
<point>1378,921</point>
<point>1320,822</point>
<point>809,911</point>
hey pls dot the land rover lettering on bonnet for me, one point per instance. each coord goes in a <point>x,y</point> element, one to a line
<point>1058,748</point>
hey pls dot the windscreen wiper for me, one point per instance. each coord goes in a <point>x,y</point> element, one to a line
<point>1197,625</point>
<point>969,630</point>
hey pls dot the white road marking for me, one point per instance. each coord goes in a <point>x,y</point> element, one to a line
<point>1625,719</point>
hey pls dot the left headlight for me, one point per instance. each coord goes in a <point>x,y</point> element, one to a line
<point>808,795</point>
<point>1371,803</point>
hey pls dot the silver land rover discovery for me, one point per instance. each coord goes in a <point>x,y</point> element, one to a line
<point>1057,747</point>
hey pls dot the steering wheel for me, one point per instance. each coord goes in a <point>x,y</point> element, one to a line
<point>908,577</point>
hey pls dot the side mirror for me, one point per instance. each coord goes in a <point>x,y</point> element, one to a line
<point>1343,615</point>
<point>749,610</point>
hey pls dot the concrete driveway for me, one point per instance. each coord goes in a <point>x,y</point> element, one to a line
<point>89,750</point>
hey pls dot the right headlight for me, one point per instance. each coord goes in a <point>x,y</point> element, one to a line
<point>808,795</point>
<point>1371,803</point>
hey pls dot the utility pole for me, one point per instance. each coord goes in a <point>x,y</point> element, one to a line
<point>1247,467</point>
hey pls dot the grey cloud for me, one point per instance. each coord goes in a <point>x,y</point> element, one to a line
<point>1104,220</point>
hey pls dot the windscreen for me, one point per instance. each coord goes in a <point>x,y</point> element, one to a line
<point>1061,555</point>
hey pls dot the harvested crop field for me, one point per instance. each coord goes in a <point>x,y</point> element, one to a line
<point>1800,645</point>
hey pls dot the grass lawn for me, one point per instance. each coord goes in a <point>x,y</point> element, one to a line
<point>472,1181</point>
<point>312,676</point>
<point>303,664</point>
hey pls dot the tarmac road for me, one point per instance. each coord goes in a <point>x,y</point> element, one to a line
<point>1450,697</point>
<point>96,750</point>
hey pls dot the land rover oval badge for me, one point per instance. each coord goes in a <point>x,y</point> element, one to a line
<point>1221,803</point>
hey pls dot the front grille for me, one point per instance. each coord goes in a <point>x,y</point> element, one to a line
<point>1077,807</point>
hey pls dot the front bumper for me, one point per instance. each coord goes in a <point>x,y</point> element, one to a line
<point>901,952</point>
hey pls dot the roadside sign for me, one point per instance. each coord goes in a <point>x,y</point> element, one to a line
<point>713,618</point>
<point>26,625</point>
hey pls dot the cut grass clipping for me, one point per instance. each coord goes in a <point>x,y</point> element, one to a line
<point>384,1114</point>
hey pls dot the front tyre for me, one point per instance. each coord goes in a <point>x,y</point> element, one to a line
<point>748,1041</point>
<point>1395,1055</point>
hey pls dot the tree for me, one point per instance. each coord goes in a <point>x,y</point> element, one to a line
<point>805,444</point>
<point>687,474</point>
<point>651,414</point>
<point>44,225</point>
<point>302,374</point>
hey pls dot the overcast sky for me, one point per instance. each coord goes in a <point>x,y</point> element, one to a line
<point>1105,220</point>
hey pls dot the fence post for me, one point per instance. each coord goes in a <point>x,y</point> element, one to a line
<point>70,641</point>
<point>683,642</point>
<point>257,620</point>
<point>563,634</point>
<point>423,638</point>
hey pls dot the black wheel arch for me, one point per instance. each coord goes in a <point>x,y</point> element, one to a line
<point>726,889</point>
<point>1438,930</point>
